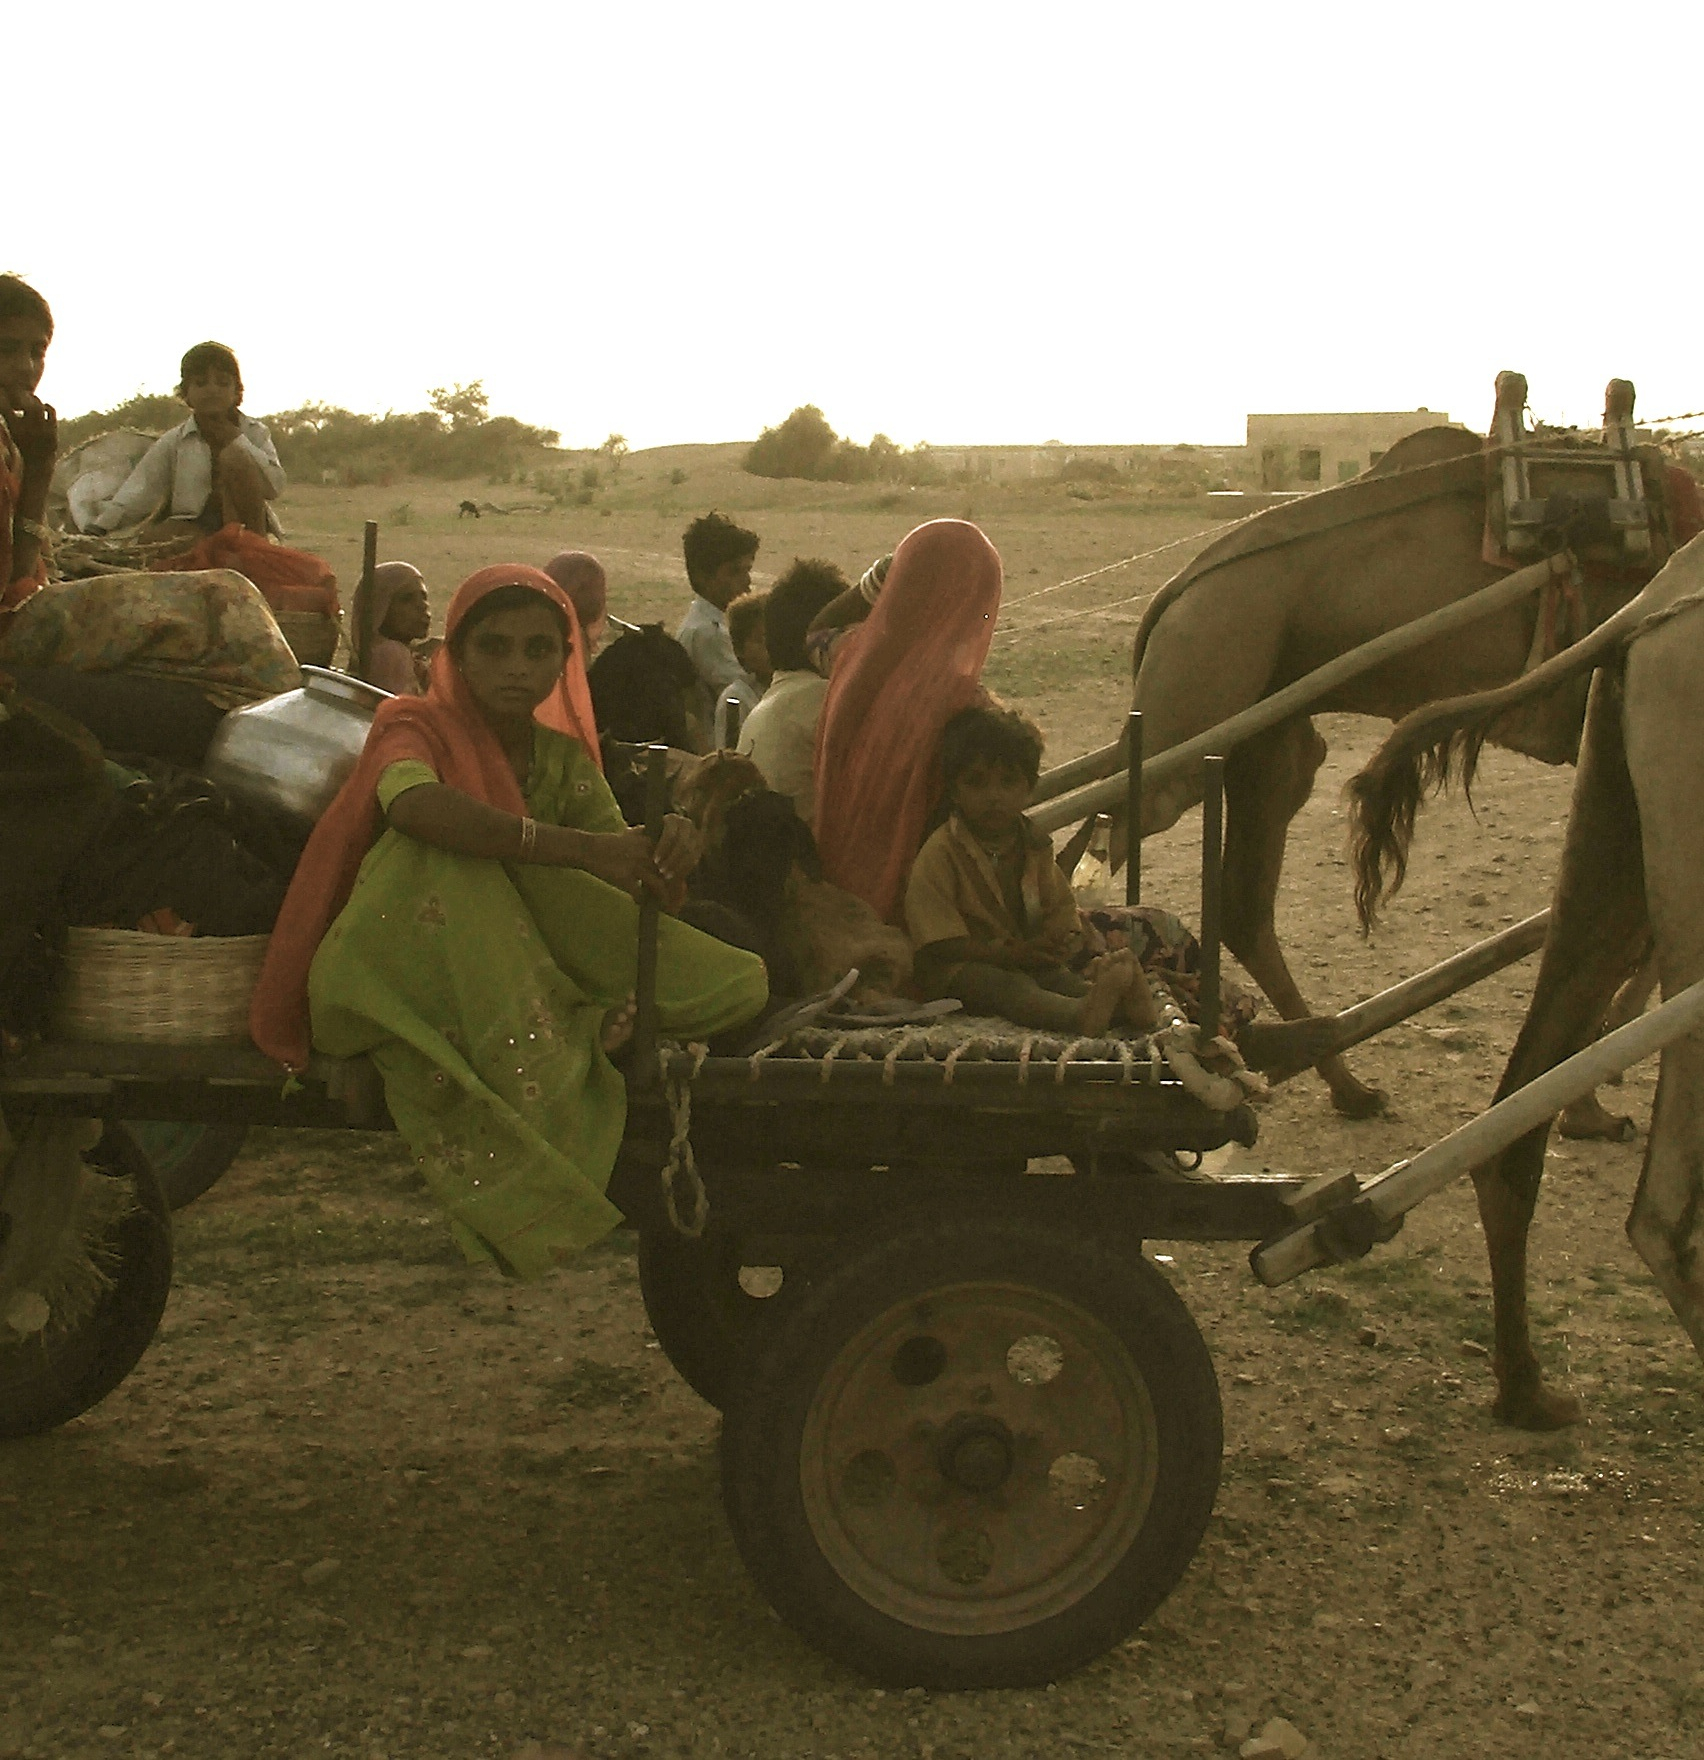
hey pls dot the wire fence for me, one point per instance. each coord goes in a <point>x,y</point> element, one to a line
<point>1013,631</point>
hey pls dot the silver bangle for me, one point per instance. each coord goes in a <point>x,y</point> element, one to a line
<point>529,838</point>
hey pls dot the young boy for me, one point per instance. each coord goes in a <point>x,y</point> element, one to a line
<point>29,439</point>
<point>991,917</point>
<point>219,468</point>
<point>719,555</point>
<point>751,649</point>
<point>780,734</point>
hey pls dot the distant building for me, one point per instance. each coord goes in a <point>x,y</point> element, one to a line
<point>1315,451</point>
<point>1006,464</point>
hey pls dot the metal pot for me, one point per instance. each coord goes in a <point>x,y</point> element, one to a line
<point>295,751</point>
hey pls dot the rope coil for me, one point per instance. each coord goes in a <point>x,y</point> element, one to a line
<point>682,1164</point>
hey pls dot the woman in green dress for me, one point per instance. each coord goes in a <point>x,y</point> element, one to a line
<point>466,915</point>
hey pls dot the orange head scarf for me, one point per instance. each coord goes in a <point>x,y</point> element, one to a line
<point>445,729</point>
<point>898,679</point>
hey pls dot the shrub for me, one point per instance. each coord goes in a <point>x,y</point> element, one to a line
<point>804,445</point>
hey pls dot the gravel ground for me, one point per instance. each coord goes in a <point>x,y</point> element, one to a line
<point>360,1500</point>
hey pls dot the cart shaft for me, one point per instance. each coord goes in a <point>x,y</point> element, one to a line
<point>1424,989</point>
<point>1349,1229</point>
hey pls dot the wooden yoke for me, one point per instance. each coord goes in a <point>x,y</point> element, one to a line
<point>643,1070</point>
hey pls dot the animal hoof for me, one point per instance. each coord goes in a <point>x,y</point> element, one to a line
<point>1537,1408</point>
<point>1596,1125</point>
<point>1359,1102</point>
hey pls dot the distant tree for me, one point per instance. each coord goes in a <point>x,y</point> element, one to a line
<point>153,413</point>
<point>802,446</point>
<point>462,406</point>
<point>806,446</point>
<point>615,450</point>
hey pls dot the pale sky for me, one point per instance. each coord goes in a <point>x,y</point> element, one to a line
<point>953,222</point>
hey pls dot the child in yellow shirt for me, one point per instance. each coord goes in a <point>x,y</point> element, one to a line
<point>992,919</point>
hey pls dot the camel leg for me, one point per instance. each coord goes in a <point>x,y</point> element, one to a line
<point>1666,761</point>
<point>1598,928</point>
<point>1587,1119</point>
<point>1267,782</point>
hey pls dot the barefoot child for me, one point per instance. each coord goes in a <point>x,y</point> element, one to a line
<point>217,469</point>
<point>991,917</point>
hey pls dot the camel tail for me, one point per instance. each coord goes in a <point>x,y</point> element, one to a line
<point>1425,752</point>
<point>1439,743</point>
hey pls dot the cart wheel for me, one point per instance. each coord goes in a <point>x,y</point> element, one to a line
<point>977,1455</point>
<point>49,1379</point>
<point>187,1158</point>
<point>700,1312</point>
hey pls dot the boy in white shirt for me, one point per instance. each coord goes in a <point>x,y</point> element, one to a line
<point>719,555</point>
<point>217,469</point>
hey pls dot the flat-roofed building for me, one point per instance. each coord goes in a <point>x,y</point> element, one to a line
<point>1315,451</point>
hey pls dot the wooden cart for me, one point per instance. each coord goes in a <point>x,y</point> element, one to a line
<point>971,1434</point>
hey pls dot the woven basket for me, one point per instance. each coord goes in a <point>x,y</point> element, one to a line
<point>311,634</point>
<point>125,987</point>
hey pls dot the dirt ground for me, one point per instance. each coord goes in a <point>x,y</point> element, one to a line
<point>361,1500</point>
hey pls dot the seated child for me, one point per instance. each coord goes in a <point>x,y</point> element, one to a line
<point>399,617</point>
<point>581,576</point>
<point>779,735</point>
<point>217,469</point>
<point>992,919</point>
<point>746,632</point>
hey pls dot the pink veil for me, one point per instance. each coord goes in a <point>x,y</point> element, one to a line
<point>898,679</point>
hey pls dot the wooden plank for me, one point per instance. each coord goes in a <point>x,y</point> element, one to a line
<point>1179,760</point>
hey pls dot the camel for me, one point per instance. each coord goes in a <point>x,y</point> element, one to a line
<point>1294,587</point>
<point>1632,874</point>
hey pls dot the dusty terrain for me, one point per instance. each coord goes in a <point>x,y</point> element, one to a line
<point>361,1500</point>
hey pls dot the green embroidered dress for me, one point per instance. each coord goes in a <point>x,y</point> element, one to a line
<point>479,989</point>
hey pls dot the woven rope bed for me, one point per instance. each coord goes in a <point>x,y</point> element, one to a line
<point>962,1039</point>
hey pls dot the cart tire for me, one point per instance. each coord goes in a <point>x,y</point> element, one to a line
<point>703,1318</point>
<point>977,1455</point>
<point>47,1380</point>
<point>187,1158</point>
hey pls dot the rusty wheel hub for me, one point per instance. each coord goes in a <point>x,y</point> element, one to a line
<point>978,1459</point>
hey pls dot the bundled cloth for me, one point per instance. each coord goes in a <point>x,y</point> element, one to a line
<point>290,580</point>
<point>211,631</point>
<point>174,855</point>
